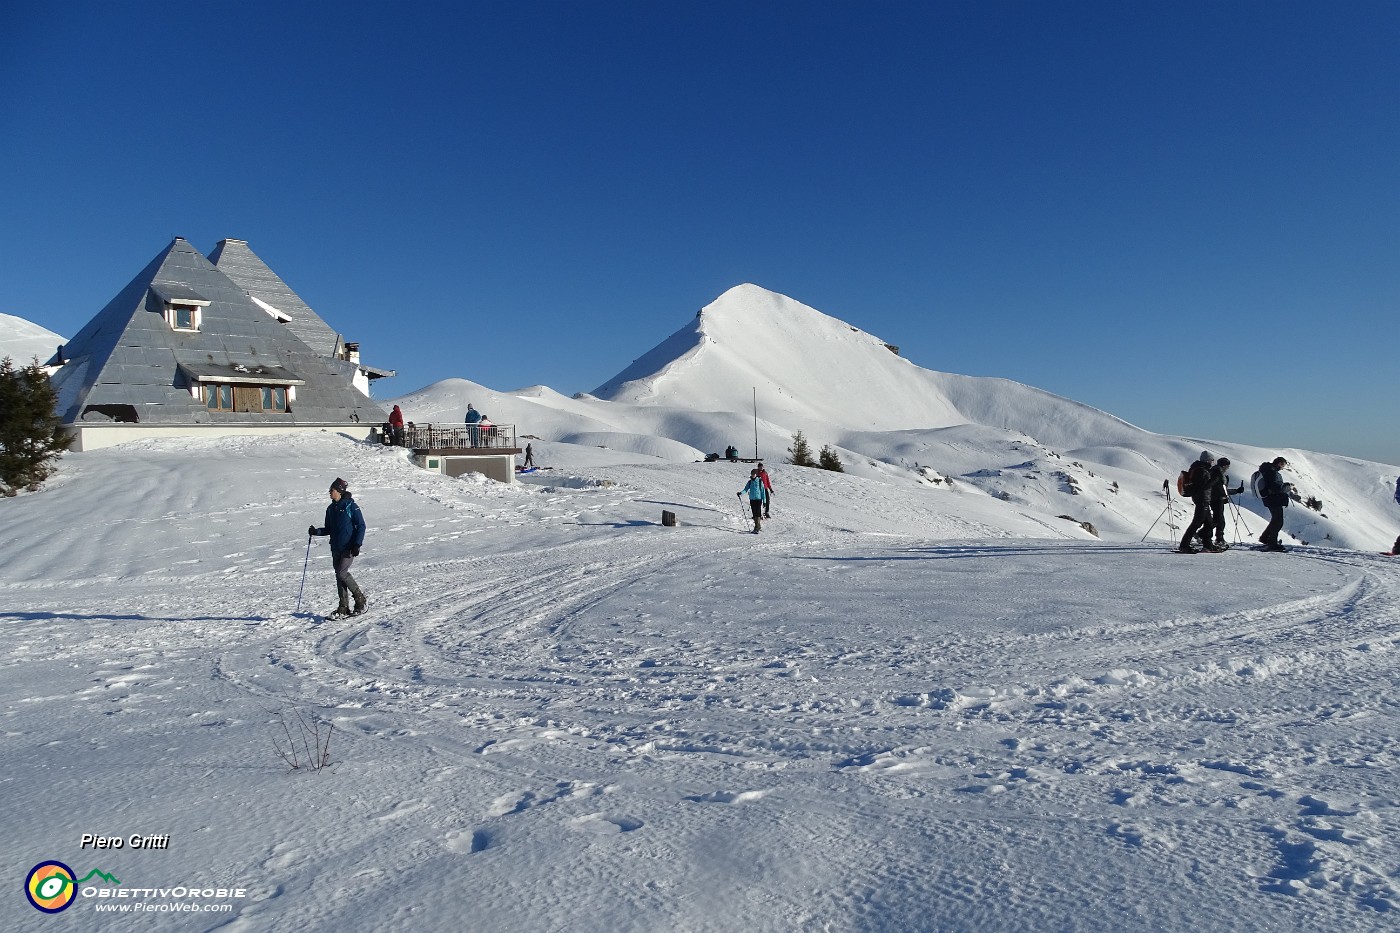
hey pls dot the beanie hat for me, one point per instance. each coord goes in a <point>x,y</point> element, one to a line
<point>340,485</point>
<point>1223,461</point>
<point>1206,457</point>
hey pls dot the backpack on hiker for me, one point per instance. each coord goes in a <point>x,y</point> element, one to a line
<point>1193,479</point>
<point>1257,479</point>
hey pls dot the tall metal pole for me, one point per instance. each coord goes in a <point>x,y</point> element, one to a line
<point>755,422</point>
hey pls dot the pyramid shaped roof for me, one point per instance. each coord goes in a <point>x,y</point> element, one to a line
<point>129,363</point>
<point>235,259</point>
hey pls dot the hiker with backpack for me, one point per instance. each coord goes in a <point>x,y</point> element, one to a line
<point>767,492</point>
<point>754,487</point>
<point>1196,484</point>
<point>1273,492</point>
<point>1218,481</point>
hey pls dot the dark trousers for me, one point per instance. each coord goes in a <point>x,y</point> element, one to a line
<point>1217,508</point>
<point>345,585</point>
<point>767,503</point>
<point>1271,530</point>
<point>756,505</point>
<point>1200,520</point>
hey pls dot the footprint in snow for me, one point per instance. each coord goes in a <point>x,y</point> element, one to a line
<point>599,825</point>
<point>465,843</point>
<point>729,797</point>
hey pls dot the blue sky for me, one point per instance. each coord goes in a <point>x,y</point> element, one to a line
<point>1186,214</point>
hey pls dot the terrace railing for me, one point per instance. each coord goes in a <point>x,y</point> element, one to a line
<point>496,437</point>
<point>442,437</point>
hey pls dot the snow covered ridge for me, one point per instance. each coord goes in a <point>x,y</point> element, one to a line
<point>905,706</point>
<point>1037,454</point>
<point>22,341</point>
<point>1066,466</point>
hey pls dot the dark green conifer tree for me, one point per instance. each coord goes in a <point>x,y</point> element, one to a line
<point>828,460</point>
<point>800,454</point>
<point>31,434</point>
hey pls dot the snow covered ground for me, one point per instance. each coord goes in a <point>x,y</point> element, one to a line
<point>903,706</point>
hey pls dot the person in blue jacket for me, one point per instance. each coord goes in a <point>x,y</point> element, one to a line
<point>345,526</point>
<point>754,488</point>
<point>472,420</point>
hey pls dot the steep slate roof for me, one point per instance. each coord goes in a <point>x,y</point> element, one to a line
<point>129,356</point>
<point>235,259</point>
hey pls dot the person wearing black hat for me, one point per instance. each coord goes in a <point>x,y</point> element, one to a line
<point>1197,480</point>
<point>1218,482</point>
<point>345,526</point>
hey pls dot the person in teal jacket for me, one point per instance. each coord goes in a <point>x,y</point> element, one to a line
<point>754,488</point>
<point>345,526</point>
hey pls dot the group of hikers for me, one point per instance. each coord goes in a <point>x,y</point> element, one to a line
<point>1207,482</point>
<point>760,492</point>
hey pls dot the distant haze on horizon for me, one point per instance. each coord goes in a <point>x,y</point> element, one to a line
<point>1182,214</point>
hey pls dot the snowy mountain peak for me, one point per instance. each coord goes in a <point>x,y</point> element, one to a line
<point>810,367</point>
<point>768,315</point>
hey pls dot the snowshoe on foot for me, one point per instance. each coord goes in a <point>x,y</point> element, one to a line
<point>360,605</point>
<point>1187,549</point>
<point>339,612</point>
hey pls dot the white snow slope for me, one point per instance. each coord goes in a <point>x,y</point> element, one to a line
<point>905,705</point>
<point>888,711</point>
<point>22,340</point>
<point>1058,460</point>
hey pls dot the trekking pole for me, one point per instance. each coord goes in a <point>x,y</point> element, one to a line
<point>1171,516</point>
<point>1239,520</point>
<point>1171,512</point>
<point>1153,525</point>
<point>304,564</point>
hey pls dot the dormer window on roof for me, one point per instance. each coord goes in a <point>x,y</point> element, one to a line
<point>183,306</point>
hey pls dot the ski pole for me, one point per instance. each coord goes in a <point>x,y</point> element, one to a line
<point>304,564</point>
<point>1239,520</point>
<point>1171,512</point>
<point>1153,525</point>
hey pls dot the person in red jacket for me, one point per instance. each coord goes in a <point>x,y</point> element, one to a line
<point>767,492</point>
<point>396,427</point>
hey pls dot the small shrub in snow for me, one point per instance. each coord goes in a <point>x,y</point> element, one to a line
<point>302,742</point>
